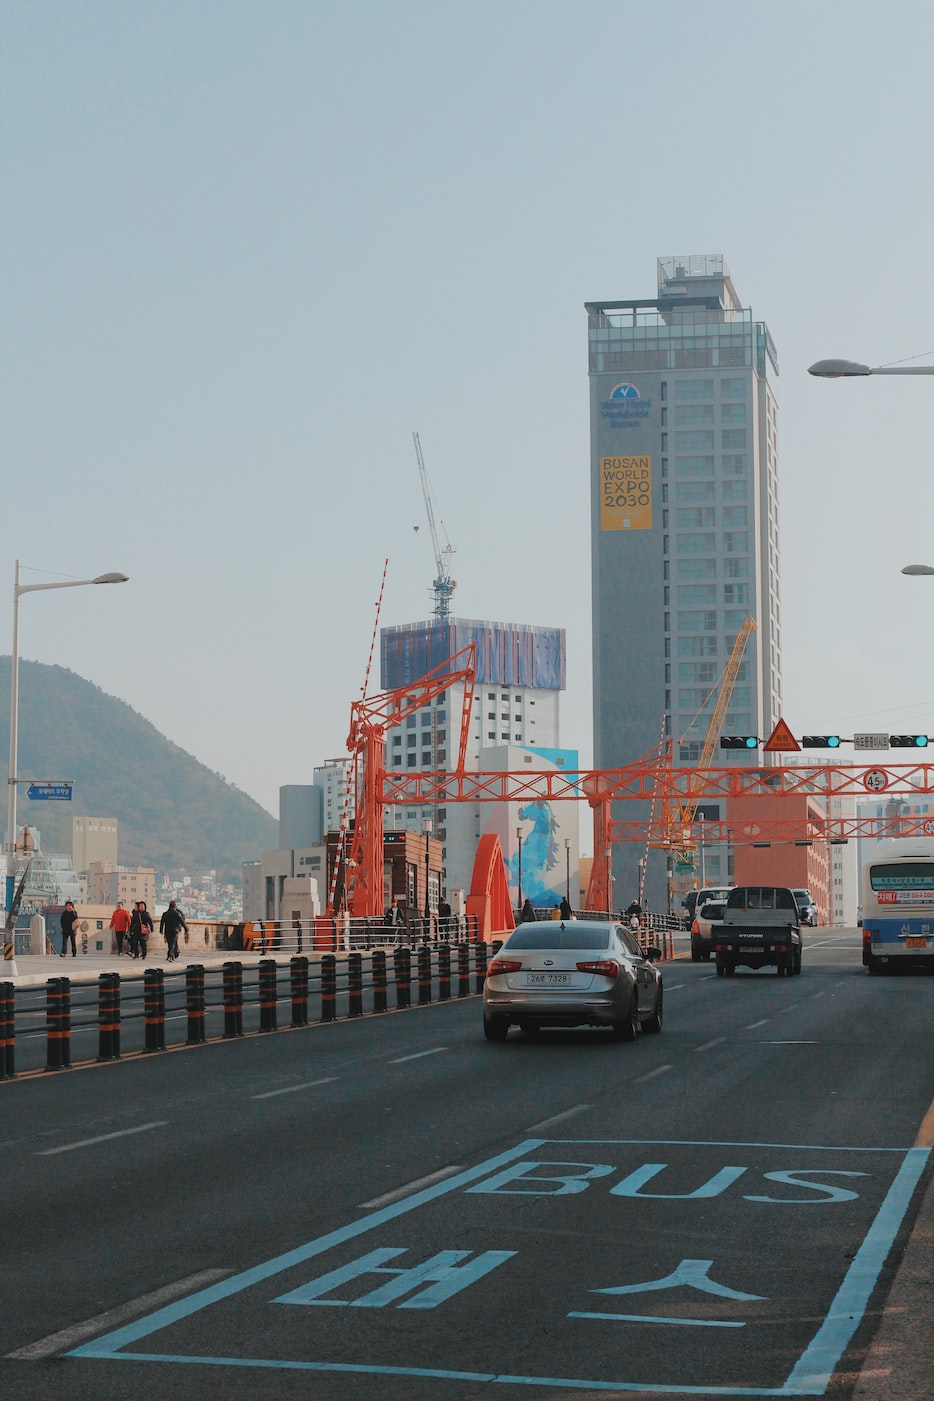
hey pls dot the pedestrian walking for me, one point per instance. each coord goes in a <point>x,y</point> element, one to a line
<point>169,925</point>
<point>120,924</point>
<point>140,929</point>
<point>527,913</point>
<point>68,919</point>
<point>566,911</point>
<point>444,918</point>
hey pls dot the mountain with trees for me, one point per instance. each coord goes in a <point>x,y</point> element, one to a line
<point>173,812</point>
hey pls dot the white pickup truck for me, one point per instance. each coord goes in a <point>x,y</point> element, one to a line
<point>761,928</point>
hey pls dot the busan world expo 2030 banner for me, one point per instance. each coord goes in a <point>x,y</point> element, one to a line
<point>626,493</point>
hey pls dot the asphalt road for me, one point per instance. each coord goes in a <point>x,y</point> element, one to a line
<point>393,1207</point>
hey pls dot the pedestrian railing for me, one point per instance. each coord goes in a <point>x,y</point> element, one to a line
<point>344,934</point>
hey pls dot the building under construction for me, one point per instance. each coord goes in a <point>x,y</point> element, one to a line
<point>515,724</point>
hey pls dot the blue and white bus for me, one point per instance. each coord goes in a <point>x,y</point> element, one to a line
<point>898,904</point>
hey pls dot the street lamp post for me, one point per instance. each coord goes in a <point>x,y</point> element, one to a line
<point>427,826</point>
<point>18,590</point>
<point>607,855</point>
<point>567,869</point>
<point>519,840</point>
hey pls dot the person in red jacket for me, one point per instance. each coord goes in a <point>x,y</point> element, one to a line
<point>120,924</point>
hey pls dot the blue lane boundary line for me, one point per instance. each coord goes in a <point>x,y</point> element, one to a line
<point>718,1143</point>
<point>810,1376</point>
<point>359,1369</point>
<point>816,1364</point>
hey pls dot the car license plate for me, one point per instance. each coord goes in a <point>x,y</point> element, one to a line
<point>547,980</point>
<point>916,943</point>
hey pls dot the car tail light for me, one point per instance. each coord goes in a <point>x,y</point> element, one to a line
<point>503,965</point>
<point>695,928</point>
<point>606,967</point>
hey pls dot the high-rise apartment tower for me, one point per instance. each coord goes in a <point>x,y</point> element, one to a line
<point>684,473</point>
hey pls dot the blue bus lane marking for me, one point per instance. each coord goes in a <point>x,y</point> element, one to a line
<point>687,1237</point>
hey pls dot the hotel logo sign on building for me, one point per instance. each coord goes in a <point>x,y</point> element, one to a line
<point>625,408</point>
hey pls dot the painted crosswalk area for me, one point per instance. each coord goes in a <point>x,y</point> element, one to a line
<point>665,1267</point>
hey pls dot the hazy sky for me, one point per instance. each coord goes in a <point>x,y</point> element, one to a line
<point>248,246</point>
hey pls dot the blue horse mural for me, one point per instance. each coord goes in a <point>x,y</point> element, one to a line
<point>540,855</point>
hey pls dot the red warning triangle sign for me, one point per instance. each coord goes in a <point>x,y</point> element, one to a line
<point>781,740</point>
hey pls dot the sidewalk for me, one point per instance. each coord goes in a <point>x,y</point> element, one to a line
<point>33,969</point>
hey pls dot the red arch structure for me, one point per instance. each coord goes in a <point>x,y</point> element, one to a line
<point>489,897</point>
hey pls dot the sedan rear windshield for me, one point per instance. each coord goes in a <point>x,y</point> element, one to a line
<point>548,934</point>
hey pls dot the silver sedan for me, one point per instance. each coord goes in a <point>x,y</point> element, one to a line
<point>572,973</point>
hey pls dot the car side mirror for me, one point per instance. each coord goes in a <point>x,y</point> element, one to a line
<point>652,954</point>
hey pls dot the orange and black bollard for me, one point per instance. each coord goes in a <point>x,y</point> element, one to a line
<point>58,1024</point>
<point>355,985</point>
<point>424,975</point>
<point>402,970</point>
<point>108,1017</point>
<point>268,993</point>
<point>444,972</point>
<point>194,1003</point>
<point>7,1032</point>
<point>379,980</point>
<point>298,989</point>
<point>479,966</point>
<point>463,969</point>
<point>154,1009</point>
<point>328,987</point>
<point>233,999</point>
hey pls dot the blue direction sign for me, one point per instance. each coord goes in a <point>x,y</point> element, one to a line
<point>49,792</point>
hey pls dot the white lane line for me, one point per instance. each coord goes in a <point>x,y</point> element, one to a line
<point>792,1007</point>
<point>752,1025</point>
<point>68,1338</point>
<point>791,1043</point>
<point>400,1060</point>
<point>817,995</point>
<point>409,1187</point>
<point>558,1118</point>
<point>102,1138</point>
<point>651,1074</point>
<point>709,1045</point>
<point>673,987</point>
<point>293,1089</point>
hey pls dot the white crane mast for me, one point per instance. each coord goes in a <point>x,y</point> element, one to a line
<point>443,584</point>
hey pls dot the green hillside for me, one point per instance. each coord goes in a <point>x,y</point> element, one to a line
<point>173,812</point>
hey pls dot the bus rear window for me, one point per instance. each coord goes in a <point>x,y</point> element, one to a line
<point>919,875</point>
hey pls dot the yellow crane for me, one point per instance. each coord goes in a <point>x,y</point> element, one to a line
<point>687,808</point>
